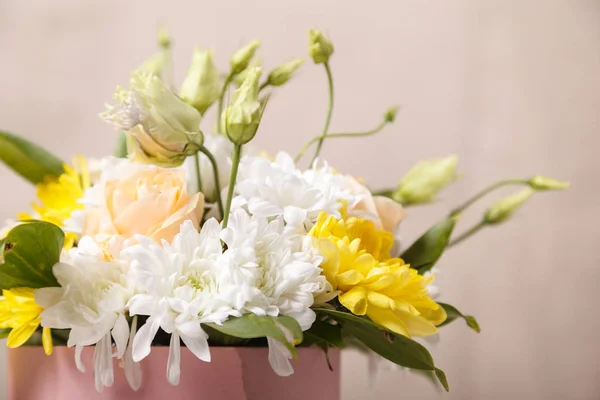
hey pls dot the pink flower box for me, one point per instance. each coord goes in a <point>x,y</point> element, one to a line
<point>235,373</point>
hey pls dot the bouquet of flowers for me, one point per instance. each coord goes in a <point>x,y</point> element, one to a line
<point>186,236</point>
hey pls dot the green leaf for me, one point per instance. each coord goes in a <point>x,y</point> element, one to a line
<point>250,326</point>
<point>29,252</point>
<point>426,251</point>
<point>441,375</point>
<point>27,159</point>
<point>322,332</point>
<point>453,314</point>
<point>4,332</point>
<point>400,350</point>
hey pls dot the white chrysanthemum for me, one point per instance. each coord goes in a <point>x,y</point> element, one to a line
<point>278,188</point>
<point>265,270</point>
<point>95,287</point>
<point>182,287</point>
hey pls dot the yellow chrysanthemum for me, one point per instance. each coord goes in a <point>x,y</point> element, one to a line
<point>20,313</point>
<point>58,197</point>
<point>369,282</point>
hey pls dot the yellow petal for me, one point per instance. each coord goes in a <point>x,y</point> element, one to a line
<point>21,334</point>
<point>435,316</point>
<point>417,325</point>
<point>349,278</point>
<point>380,300</point>
<point>47,340</point>
<point>355,300</point>
<point>388,319</point>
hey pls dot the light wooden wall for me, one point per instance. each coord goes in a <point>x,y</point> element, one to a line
<point>512,87</point>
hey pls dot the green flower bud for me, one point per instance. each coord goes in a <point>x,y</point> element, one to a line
<point>163,38</point>
<point>156,64</point>
<point>240,60</point>
<point>423,182</point>
<point>161,129</point>
<point>241,77</point>
<point>390,115</point>
<point>242,117</point>
<point>283,73</point>
<point>542,183</point>
<point>202,85</point>
<point>504,208</point>
<point>319,48</point>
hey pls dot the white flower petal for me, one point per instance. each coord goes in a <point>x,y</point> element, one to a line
<point>174,361</point>
<point>279,357</point>
<point>133,370</point>
<point>120,334</point>
<point>78,362</point>
<point>103,364</point>
<point>143,339</point>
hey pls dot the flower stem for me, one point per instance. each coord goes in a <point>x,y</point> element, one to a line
<point>222,99</point>
<point>215,167</point>
<point>329,112</point>
<point>339,135</point>
<point>491,188</point>
<point>467,234</point>
<point>264,85</point>
<point>237,150</point>
<point>198,176</point>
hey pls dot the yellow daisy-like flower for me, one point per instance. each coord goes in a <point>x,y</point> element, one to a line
<point>58,197</point>
<point>20,313</point>
<point>369,282</point>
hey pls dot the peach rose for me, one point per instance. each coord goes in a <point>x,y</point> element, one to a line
<point>149,201</point>
<point>386,213</point>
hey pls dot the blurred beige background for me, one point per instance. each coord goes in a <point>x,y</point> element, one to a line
<point>512,87</point>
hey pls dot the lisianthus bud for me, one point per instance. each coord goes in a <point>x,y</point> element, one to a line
<point>202,85</point>
<point>542,183</point>
<point>504,208</point>
<point>163,38</point>
<point>390,114</point>
<point>156,64</point>
<point>161,129</point>
<point>242,117</point>
<point>240,60</point>
<point>241,77</point>
<point>282,73</point>
<point>319,48</point>
<point>423,182</point>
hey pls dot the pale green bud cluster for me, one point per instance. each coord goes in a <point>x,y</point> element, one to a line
<point>504,208</point>
<point>241,58</point>
<point>319,47</point>
<point>242,117</point>
<point>161,129</point>
<point>283,73</point>
<point>425,180</point>
<point>202,85</point>
<point>542,183</point>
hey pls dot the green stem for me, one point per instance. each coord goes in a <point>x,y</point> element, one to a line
<point>237,151</point>
<point>222,99</point>
<point>468,233</point>
<point>329,112</point>
<point>263,86</point>
<point>339,135</point>
<point>491,188</point>
<point>215,167</point>
<point>198,176</point>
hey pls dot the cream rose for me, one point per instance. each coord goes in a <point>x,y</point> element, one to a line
<point>386,213</point>
<point>149,201</point>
